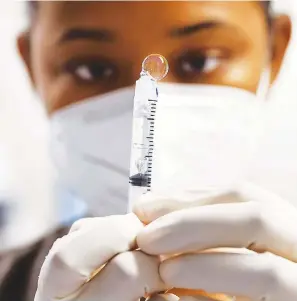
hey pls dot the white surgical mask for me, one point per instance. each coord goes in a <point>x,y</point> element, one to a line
<point>214,126</point>
<point>91,149</point>
<point>205,137</point>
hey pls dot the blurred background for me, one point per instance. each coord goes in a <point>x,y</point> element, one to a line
<point>25,171</point>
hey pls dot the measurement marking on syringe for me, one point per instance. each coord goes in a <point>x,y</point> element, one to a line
<point>144,160</point>
<point>150,139</point>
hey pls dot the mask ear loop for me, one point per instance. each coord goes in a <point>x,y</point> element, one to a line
<point>264,82</point>
<point>262,93</point>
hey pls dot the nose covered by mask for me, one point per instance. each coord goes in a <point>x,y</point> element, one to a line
<point>204,137</point>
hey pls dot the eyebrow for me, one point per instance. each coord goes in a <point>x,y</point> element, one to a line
<point>100,35</point>
<point>103,35</point>
<point>194,28</point>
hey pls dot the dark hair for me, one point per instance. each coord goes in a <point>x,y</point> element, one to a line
<point>33,4</point>
<point>268,11</point>
<point>31,8</point>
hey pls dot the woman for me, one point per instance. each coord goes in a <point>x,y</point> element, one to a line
<point>77,50</point>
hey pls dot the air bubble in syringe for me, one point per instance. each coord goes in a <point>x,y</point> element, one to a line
<point>156,66</point>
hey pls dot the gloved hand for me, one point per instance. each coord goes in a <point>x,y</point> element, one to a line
<point>73,268</point>
<point>252,219</point>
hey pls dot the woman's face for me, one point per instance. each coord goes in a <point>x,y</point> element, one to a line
<point>76,50</point>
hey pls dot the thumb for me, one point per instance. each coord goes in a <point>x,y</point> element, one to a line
<point>151,206</point>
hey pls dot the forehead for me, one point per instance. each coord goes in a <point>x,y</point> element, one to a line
<point>149,14</point>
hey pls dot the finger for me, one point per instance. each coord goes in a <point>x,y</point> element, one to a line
<point>165,297</point>
<point>196,298</point>
<point>128,276</point>
<point>255,276</point>
<point>74,258</point>
<point>81,223</point>
<point>200,294</point>
<point>251,192</point>
<point>190,295</point>
<point>150,206</point>
<point>238,225</point>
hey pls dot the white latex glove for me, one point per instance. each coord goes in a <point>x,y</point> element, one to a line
<point>259,221</point>
<point>69,270</point>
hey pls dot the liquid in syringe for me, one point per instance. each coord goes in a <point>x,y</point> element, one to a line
<point>154,68</point>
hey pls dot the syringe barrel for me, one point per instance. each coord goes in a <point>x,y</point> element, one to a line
<point>144,112</point>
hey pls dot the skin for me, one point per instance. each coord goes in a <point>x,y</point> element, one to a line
<point>69,60</point>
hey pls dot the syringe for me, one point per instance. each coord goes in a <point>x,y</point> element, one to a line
<point>154,68</point>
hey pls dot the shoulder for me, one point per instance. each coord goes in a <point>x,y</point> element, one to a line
<point>20,280</point>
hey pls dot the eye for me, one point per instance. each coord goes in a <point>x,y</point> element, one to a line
<point>197,63</point>
<point>90,71</point>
